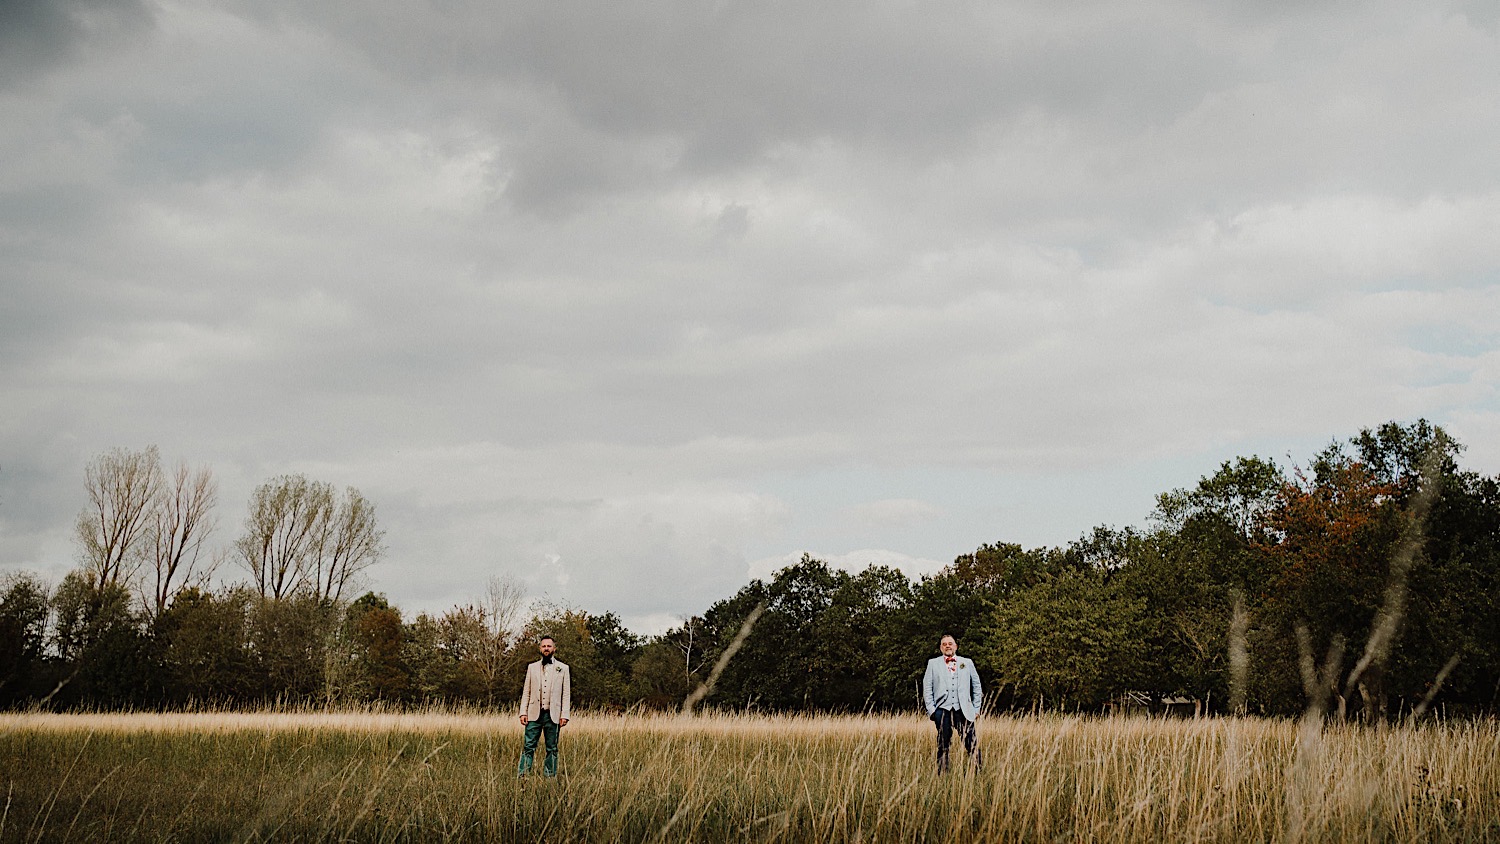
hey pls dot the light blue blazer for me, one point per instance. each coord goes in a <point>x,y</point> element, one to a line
<point>970,693</point>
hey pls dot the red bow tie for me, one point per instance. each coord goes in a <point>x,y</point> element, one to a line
<point>949,658</point>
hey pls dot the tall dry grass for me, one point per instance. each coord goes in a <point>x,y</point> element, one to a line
<point>451,776</point>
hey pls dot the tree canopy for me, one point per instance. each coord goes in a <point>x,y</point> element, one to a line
<point>1377,563</point>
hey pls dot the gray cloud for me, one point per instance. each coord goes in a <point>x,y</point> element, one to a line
<point>38,36</point>
<point>589,294</point>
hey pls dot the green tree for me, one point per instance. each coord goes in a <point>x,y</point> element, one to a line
<point>957,602</point>
<point>484,652</point>
<point>1207,549</point>
<point>289,644</point>
<point>814,646</point>
<point>1073,640</point>
<point>1453,610</point>
<point>1227,509</point>
<point>429,665</point>
<point>657,679</point>
<point>847,661</point>
<point>101,642</point>
<point>376,637</point>
<point>615,651</point>
<point>592,685</point>
<point>204,642</point>
<point>25,608</point>
<point>776,668</point>
<point>1397,454</point>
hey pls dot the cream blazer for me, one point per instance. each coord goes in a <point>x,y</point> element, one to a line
<point>562,692</point>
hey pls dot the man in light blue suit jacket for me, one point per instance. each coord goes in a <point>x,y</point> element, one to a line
<point>953,695</point>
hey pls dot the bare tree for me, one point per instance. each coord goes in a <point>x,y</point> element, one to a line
<point>123,488</point>
<point>685,638</point>
<point>288,516</point>
<point>181,522</point>
<point>504,598</point>
<point>300,535</point>
<point>480,635</point>
<point>350,544</point>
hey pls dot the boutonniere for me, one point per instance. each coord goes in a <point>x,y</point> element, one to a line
<point>557,668</point>
<point>960,663</point>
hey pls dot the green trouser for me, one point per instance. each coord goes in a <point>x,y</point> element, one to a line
<point>542,726</point>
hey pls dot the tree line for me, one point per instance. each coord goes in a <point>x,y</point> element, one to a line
<point>1365,582</point>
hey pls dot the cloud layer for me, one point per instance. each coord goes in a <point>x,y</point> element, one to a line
<point>629,300</point>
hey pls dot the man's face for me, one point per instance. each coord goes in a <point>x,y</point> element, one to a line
<point>948,646</point>
<point>547,647</point>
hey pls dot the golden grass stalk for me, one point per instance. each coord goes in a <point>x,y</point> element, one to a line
<point>390,776</point>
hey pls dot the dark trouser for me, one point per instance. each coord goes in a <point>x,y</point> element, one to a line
<point>543,726</point>
<point>947,721</point>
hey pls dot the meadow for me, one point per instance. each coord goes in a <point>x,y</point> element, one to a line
<point>447,776</point>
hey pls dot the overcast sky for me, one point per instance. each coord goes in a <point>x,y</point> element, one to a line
<point>636,301</point>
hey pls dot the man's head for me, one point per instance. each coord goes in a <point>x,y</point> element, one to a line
<point>948,645</point>
<point>546,646</point>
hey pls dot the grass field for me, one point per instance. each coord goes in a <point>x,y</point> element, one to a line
<point>444,776</point>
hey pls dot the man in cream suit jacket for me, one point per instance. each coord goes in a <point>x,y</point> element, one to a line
<point>544,706</point>
<point>953,695</point>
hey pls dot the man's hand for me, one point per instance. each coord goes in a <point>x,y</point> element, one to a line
<point>563,722</point>
<point>523,720</point>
